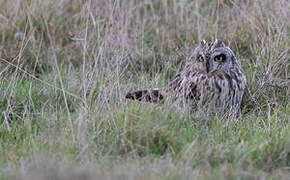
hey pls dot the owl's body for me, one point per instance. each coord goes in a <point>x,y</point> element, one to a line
<point>211,79</point>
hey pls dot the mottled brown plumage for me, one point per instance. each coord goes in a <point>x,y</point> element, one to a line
<point>211,78</point>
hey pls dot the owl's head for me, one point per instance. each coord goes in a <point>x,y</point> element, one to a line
<point>210,57</point>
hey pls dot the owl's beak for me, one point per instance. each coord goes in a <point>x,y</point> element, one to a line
<point>207,66</point>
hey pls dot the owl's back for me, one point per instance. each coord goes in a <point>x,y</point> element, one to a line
<point>218,90</point>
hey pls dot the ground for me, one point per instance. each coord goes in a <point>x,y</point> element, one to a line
<point>66,66</point>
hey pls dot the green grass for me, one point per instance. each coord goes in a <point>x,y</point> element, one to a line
<point>66,65</point>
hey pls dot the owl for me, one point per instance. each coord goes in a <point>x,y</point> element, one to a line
<point>212,78</point>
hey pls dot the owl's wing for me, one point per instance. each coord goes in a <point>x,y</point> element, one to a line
<point>175,83</point>
<point>184,88</point>
<point>147,95</point>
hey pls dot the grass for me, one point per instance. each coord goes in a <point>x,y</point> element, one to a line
<point>66,65</point>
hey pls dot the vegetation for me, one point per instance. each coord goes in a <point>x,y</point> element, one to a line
<point>66,65</point>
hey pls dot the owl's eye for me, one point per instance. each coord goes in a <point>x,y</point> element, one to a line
<point>200,58</point>
<point>220,58</point>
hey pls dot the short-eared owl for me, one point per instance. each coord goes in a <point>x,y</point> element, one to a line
<point>212,77</point>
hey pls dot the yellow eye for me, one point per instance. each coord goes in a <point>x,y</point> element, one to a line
<point>220,58</point>
<point>200,58</point>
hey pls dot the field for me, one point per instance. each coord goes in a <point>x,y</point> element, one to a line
<point>65,67</point>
